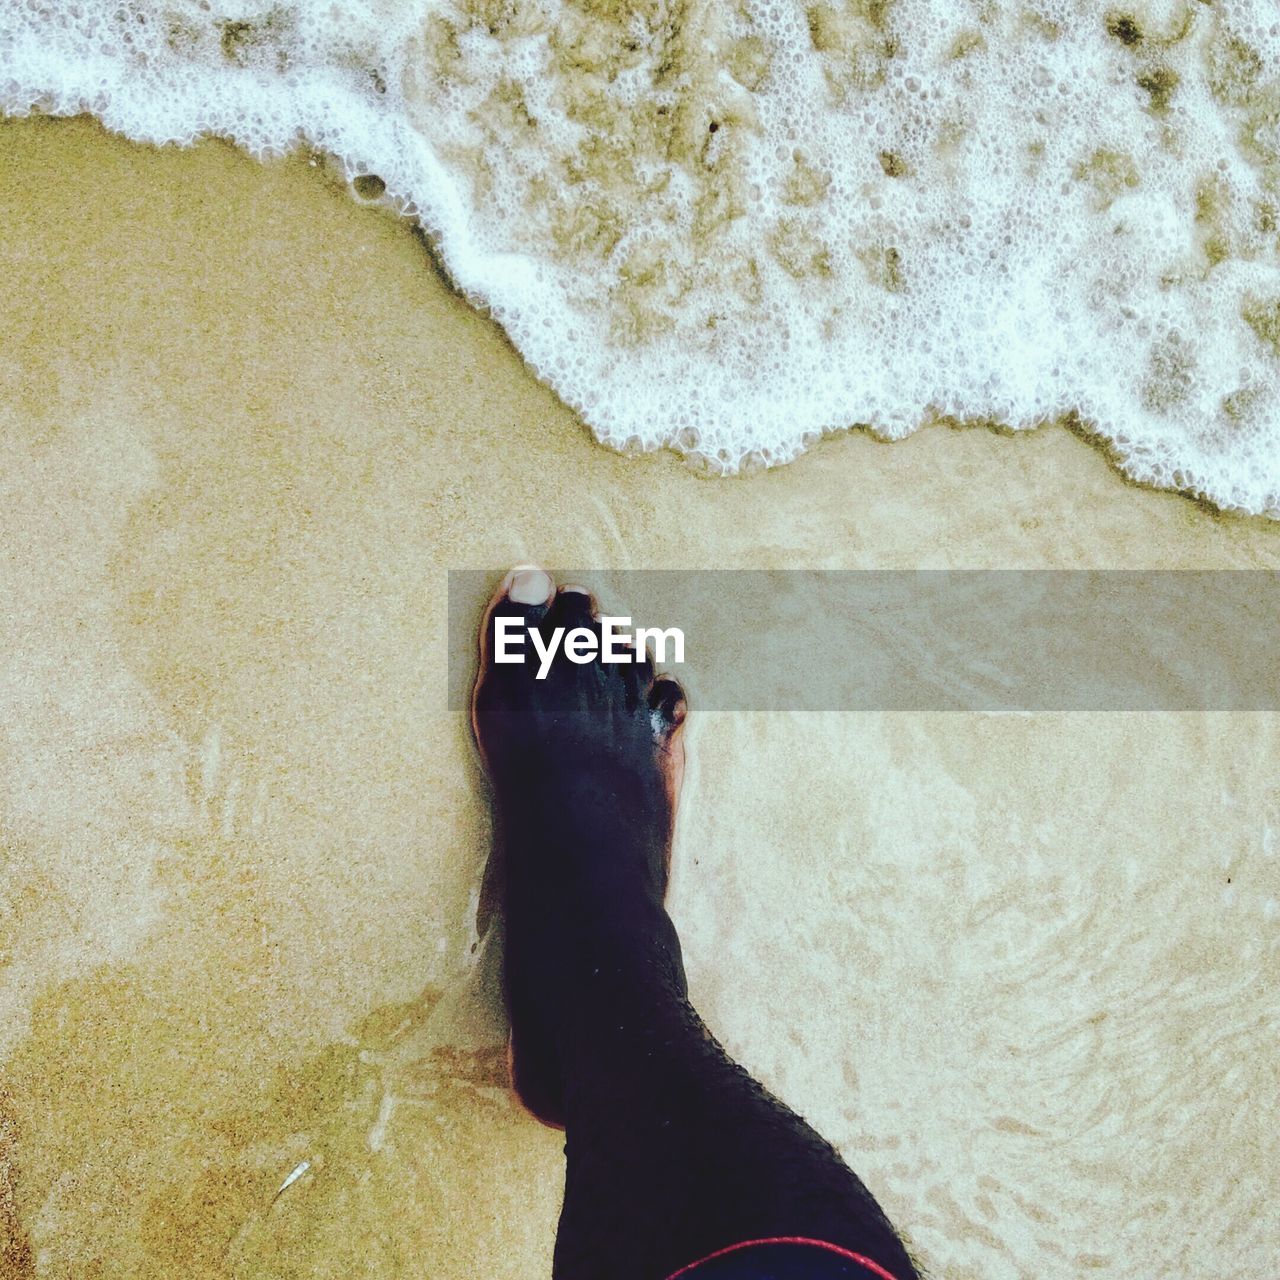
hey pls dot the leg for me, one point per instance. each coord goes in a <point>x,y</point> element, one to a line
<point>673,1150</point>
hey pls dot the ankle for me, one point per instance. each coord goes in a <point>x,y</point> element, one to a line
<point>629,980</point>
<point>594,849</point>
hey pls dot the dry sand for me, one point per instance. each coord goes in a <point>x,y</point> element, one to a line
<point>1021,969</point>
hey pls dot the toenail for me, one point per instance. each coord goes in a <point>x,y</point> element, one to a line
<point>577,590</point>
<point>529,586</point>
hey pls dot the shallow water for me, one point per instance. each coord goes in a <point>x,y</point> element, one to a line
<point>1021,969</point>
<point>731,225</point>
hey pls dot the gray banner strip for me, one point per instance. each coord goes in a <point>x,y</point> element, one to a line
<point>938,640</point>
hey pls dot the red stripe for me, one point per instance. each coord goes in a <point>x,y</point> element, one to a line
<point>873,1267</point>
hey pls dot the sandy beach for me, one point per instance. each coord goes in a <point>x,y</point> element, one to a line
<point>1021,969</point>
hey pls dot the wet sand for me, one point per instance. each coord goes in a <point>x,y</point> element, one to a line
<point>1021,969</point>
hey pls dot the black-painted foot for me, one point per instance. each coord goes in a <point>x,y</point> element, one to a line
<point>586,765</point>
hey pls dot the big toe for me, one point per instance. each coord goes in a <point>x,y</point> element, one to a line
<point>520,602</point>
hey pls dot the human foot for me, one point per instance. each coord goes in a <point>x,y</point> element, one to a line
<point>586,765</point>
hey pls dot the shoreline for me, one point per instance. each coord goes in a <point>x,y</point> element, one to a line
<point>327,169</point>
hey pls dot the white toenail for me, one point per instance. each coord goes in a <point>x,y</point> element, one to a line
<point>513,573</point>
<point>577,590</point>
<point>530,586</point>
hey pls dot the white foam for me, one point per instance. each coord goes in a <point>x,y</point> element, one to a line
<point>734,231</point>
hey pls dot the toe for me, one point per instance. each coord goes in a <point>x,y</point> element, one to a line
<point>524,595</point>
<point>572,607</point>
<point>644,669</point>
<point>528,585</point>
<point>668,704</point>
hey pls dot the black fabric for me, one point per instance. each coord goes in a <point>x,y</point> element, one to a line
<point>780,1262</point>
<point>674,1150</point>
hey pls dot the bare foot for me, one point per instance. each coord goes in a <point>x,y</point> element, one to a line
<point>586,766</point>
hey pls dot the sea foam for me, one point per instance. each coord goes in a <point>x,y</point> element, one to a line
<point>730,226</point>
